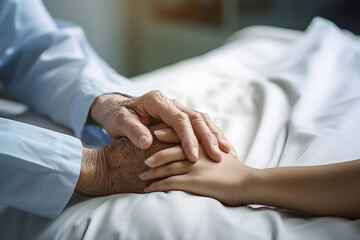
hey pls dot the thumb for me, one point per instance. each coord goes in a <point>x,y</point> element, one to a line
<point>137,132</point>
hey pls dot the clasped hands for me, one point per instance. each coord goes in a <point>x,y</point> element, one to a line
<point>117,167</point>
<point>159,145</point>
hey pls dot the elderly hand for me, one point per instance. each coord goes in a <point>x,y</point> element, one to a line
<point>122,116</point>
<point>115,167</point>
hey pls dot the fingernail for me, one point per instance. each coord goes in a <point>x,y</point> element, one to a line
<point>232,152</point>
<point>143,175</point>
<point>215,147</point>
<point>147,189</point>
<point>225,143</point>
<point>143,140</point>
<point>150,161</point>
<point>160,133</point>
<point>195,153</point>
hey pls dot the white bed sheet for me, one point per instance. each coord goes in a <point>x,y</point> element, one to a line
<point>281,97</point>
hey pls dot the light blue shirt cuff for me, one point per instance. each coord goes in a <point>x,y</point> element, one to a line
<point>39,168</point>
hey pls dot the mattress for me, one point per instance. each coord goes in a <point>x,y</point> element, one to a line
<point>282,97</point>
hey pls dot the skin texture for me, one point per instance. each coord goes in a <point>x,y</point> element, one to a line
<point>223,180</point>
<point>130,117</point>
<point>327,190</point>
<point>114,168</point>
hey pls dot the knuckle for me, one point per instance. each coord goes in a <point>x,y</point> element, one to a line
<point>206,116</point>
<point>219,135</point>
<point>185,164</point>
<point>121,114</point>
<point>178,165</point>
<point>155,98</point>
<point>132,126</point>
<point>196,116</point>
<point>157,94</point>
<point>160,155</point>
<point>176,103</point>
<point>120,119</point>
<point>214,129</point>
<point>199,124</point>
<point>180,116</point>
<point>208,137</point>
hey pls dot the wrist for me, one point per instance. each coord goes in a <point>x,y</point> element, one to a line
<point>85,176</point>
<point>251,187</point>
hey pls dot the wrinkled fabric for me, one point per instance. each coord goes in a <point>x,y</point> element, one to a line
<point>38,168</point>
<point>50,67</point>
<point>281,100</point>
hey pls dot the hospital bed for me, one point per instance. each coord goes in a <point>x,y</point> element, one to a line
<point>250,87</point>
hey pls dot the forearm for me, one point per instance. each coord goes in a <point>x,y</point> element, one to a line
<point>58,73</point>
<point>322,190</point>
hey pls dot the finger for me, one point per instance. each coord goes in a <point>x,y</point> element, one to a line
<point>180,122</point>
<point>137,132</point>
<point>167,135</point>
<point>157,105</point>
<point>171,169</point>
<point>185,183</point>
<point>179,182</point>
<point>203,133</point>
<point>166,156</point>
<point>224,143</point>
<point>234,153</point>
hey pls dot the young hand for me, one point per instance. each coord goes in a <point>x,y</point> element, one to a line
<point>327,190</point>
<point>223,180</point>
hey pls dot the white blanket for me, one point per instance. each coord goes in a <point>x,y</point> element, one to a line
<point>281,97</point>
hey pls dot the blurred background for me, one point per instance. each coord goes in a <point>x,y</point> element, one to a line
<point>138,36</point>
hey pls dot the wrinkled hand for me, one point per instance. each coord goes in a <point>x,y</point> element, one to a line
<point>115,167</point>
<point>223,180</point>
<point>122,116</point>
<point>168,135</point>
